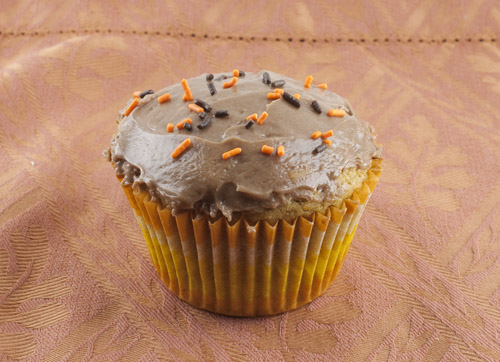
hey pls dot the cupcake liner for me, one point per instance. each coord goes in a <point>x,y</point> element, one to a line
<point>244,269</point>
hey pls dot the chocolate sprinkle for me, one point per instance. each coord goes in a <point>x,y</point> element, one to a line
<point>278,83</point>
<point>266,78</point>
<point>242,73</point>
<point>249,123</point>
<point>209,77</point>
<point>202,115</point>
<point>145,93</point>
<point>315,106</point>
<point>220,114</point>
<point>320,148</point>
<point>221,77</point>
<point>187,126</point>
<point>211,88</point>
<point>291,99</point>
<point>206,107</point>
<point>206,121</point>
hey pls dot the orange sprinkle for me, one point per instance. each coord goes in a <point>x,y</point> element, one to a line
<point>184,97</point>
<point>273,95</point>
<point>279,90</point>
<point>164,98</point>
<point>336,113</point>
<point>327,134</point>
<point>280,151</point>
<point>187,91</point>
<point>181,148</point>
<point>170,127</point>
<point>262,117</point>
<point>181,123</point>
<point>297,95</point>
<point>195,108</point>
<point>231,83</point>
<point>136,94</point>
<point>267,149</point>
<point>236,73</point>
<point>328,142</point>
<point>308,81</point>
<point>131,107</point>
<point>231,153</point>
<point>252,116</point>
<point>323,85</point>
<point>316,135</point>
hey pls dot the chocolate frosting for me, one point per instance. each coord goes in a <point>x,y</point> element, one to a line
<point>252,181</point>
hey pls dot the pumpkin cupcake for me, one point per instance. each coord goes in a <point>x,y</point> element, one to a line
<point>248,188</point>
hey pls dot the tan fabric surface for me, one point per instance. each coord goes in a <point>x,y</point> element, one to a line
<point>422,279</point>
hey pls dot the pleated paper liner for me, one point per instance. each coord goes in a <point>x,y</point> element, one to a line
<point>250,270</point>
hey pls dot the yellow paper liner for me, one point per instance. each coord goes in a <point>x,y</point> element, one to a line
<point>250,270</point>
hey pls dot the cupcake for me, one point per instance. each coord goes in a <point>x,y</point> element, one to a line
<point>248,188</point>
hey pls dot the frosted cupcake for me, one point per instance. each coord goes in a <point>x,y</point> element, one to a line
<point>247,187</point>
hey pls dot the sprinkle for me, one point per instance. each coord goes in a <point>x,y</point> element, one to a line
<point>291,99</point>
<point>327,134</point>
<point>231,83</point>
<point>267,149</point>
<point>136,94</point>
<point>323,85</point>
<point>316,135</point>
<point>280,151</point>
<point>249,124</point>
<point>315,106</point>
<point>195,108</point>
<point>131,107</point>
<point>184,97</point>
<point>145,93</point>
<point>202,115</point>
<point>221,113</point>
<point>327,142</point>
<point>278,83</point>
<point>211,88</point>
<point>187,90</point>
<point>236,73</point>
<point>231,153</point>
<point>221,77</point>
<point>266,79</point>
<point>336,113</point>
<point>320,148</point>
<point>206,122</point>
<point>206,107</point>
<point>297,95</point>
<point>308,81</point>
<point>181,123</point>
<point>187,126</point>
<point>242,74</point>
<point>252,116</point>
<point>262,117</point>
<point>209,77</point>
<point>170,127</point>
<point>279,90</point>
<point>164,98</point>
<point>181,148</point>
<point>273,95</point>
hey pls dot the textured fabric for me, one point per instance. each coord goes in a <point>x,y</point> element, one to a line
<point>422,278</point>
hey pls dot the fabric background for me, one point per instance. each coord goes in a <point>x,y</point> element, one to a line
<point>422,279</point>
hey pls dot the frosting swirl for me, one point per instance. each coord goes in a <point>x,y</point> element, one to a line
<point>251,181</point>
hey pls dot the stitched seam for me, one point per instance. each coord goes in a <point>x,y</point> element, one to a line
<point>357,40</point>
